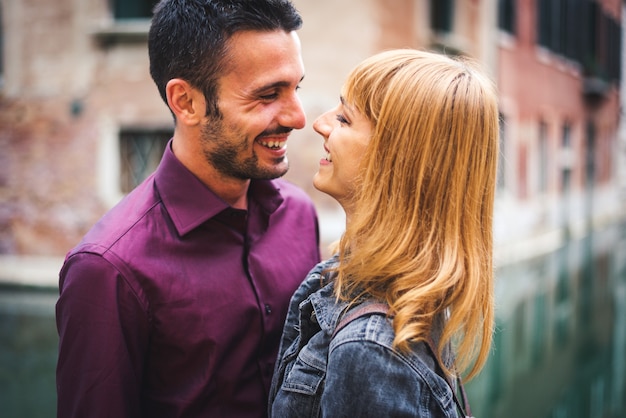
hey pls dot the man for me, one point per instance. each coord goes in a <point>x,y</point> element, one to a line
<point>173,304</point>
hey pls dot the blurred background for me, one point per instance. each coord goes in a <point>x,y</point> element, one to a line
<point>81,124</point>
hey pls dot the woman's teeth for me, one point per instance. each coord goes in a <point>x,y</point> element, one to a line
<point>328,157</point>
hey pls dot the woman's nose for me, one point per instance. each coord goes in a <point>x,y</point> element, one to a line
<point>322,124</point>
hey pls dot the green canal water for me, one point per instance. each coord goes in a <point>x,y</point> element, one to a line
<point>28,354</point>
<point>559,348</point>
<point>560,342</point>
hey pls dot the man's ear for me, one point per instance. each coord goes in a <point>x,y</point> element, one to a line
<point>186,102</point>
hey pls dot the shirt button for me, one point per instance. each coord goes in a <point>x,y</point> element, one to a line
<point>268,309</point>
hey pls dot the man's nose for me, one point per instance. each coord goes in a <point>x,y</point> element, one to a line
<point>293,115</point>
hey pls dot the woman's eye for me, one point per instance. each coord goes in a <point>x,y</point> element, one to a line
<point>342,119</point>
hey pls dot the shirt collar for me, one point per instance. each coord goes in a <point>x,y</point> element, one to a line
<point>190,203</point>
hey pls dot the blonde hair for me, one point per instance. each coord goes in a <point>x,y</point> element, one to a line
<point>420,235</point>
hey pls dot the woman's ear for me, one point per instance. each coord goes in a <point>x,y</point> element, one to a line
<point>186,102</point>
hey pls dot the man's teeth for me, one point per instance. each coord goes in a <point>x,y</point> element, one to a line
<point>273,144</point>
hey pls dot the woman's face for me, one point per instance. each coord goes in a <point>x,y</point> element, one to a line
<point>346,133</point>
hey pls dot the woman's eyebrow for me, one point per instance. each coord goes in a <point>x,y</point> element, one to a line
<point>345,104</point>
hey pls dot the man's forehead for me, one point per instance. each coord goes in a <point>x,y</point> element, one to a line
<point>263,60</point>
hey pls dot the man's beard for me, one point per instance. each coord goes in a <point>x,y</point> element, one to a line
<point>226,156</point>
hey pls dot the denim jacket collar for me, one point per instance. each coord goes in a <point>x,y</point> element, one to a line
<point>327,308</point>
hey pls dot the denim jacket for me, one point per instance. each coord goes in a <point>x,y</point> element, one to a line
<point>356,373</point>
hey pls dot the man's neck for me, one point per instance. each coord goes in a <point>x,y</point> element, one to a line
<point>233,191</point>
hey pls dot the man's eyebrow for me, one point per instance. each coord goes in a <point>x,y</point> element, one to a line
<point>277,84</point>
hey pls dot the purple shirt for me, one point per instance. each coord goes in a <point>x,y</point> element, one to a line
<point>174,303</point>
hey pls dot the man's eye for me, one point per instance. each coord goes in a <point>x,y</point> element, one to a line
<point>271,96</point>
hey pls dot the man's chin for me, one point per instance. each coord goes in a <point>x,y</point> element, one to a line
<point>273,172</point>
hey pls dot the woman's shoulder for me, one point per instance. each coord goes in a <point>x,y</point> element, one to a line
<point>368,321</point>
<point>374,332</point>
<point>364,347</point>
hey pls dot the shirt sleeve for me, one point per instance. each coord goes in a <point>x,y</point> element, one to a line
<point>103,333</point>
<point>366,379</point>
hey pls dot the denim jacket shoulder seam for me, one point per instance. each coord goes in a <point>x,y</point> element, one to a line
<point>420,369</point>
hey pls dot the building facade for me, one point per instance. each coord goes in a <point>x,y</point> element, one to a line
<point>81,121</point>
<point>559,70</point>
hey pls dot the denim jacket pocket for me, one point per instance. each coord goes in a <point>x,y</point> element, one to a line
<point>307,373</point>
<point>300,393</point>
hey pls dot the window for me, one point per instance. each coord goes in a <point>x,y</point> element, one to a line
<point>603,43</point>
<point>506,15</point>
<point>615,51</point>
<point>590,46</point>
<point>140,154</point>
<point>544,17</point>
<point>580,30</point>
<point>543,157</point>
<point>552,19</point>
<point>612,46</point>
<point>573,32</point>
<point>441,15</point>
<point>561,26</point>
<point>130,22</point>
<point>562,23</point>
<point>567,140</point>
<point>133,9</point>
<point>567,159</point>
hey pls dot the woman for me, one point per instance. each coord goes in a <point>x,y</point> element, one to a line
<point>406,305</point>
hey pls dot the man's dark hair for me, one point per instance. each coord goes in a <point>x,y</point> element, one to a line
<point>188,39</point>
